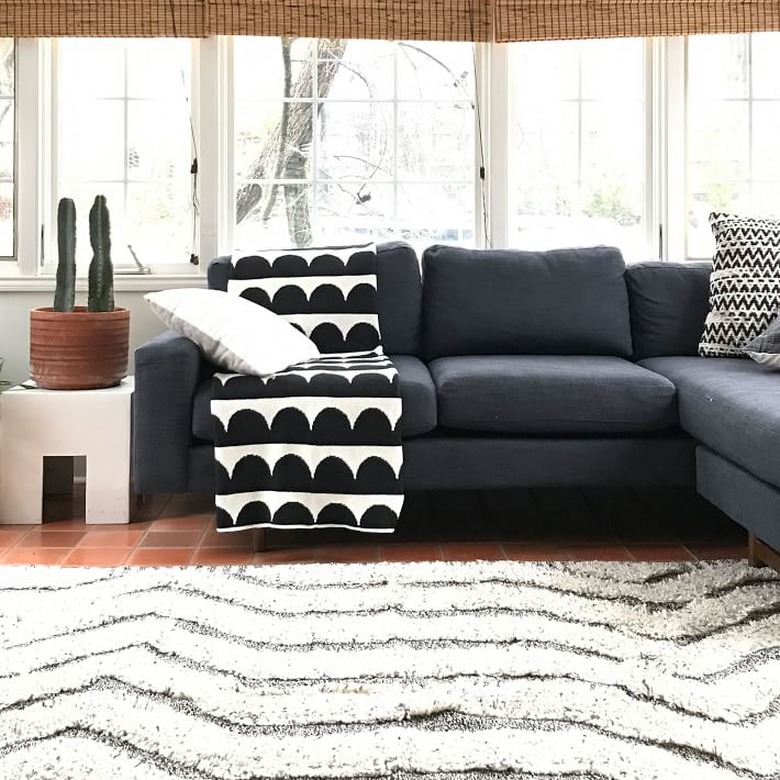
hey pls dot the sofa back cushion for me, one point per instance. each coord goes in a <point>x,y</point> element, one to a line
<point>398,298</point>
<point>510,302</point>
<point>669,303</point>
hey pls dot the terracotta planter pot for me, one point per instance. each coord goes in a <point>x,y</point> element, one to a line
<point>78,350</point>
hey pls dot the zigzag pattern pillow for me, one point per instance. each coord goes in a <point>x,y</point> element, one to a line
<point>327,293</point>
<point>745,283</point>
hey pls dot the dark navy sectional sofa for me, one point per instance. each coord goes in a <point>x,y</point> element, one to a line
<point>523,369</point>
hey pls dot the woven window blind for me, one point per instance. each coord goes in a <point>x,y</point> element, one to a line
<point>453,20</point>
<point>109,18</point>
<point>446,20</point>
<point>536,20</point>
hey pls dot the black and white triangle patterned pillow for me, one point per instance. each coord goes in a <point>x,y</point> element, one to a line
<point>329,293</point>
<point>745,283</point>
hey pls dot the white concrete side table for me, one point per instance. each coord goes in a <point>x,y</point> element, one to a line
<point>94,423</point>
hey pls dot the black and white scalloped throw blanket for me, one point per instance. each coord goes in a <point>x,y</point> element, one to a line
<point>317,445</point>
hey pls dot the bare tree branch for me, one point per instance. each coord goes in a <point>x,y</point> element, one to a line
<point>283,127</point>
<point>7,58</point>
<point>284,154</point>
<point>457,81</point>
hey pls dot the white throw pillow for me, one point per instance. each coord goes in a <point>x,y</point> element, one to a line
<point>233,333</point>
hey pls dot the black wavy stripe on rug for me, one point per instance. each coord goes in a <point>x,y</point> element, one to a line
<point>431,671</point>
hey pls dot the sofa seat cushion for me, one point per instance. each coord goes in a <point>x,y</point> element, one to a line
<point>418,399</point>
<point>550,395</point>
<point>730,404</point>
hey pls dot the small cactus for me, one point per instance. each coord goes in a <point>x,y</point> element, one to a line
<point>65,289</point>
<point>101,272</point>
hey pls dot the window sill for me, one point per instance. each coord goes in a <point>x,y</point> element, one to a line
<point>122,283</point>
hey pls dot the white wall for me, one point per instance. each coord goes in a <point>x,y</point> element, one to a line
<point>14,326</point>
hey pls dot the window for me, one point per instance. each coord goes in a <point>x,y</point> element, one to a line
<point>733,154</point>
<point>299,141</point>
<point>122,111</point>
<point>348,139</point>
<point>7,156</point>
<point>578,145</point>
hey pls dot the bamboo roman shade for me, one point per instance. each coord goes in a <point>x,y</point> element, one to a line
<point>454,20</point>
<point>109,18</point>
<point>448,20</point>
<point>535,20</point>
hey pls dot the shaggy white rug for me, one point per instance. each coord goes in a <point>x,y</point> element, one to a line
<point>434,670</point>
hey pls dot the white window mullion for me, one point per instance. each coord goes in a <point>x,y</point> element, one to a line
<point>214,135</point>
<point>126,134</point>
<point>8,46</point>
<point>579,125</point>
<point>314,174</point>
<point>673,160</point>
<point>655,148</point>
<point>493,93</point>
<point>396,193</point>
<point>751,116</point>
<point>31,140</point>
<point>85,162</point>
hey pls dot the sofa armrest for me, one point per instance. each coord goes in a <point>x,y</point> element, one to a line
<point>168,369</point>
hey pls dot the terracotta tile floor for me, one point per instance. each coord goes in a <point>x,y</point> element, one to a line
<point>538,525</point>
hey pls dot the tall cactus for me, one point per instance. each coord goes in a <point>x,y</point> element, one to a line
<point>65,290</point>
<point>101,272</point>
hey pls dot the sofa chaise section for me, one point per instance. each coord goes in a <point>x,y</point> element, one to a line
<point>732,406</point>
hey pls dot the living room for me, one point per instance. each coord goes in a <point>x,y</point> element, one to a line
<point>521,205</point>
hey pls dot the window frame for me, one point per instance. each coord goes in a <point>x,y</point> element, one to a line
<point>751,101</point>
<point>671,130</point>
<point>4,259</point>
<point>48,263</point>
<point>29,155</point>
<point>212,85</point>
<point>395,103</point>
<point>651,215</point>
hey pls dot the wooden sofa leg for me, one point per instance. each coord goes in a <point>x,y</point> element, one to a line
<point>753,545</point>
<point>761,554</point>
<point>259,540</point>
